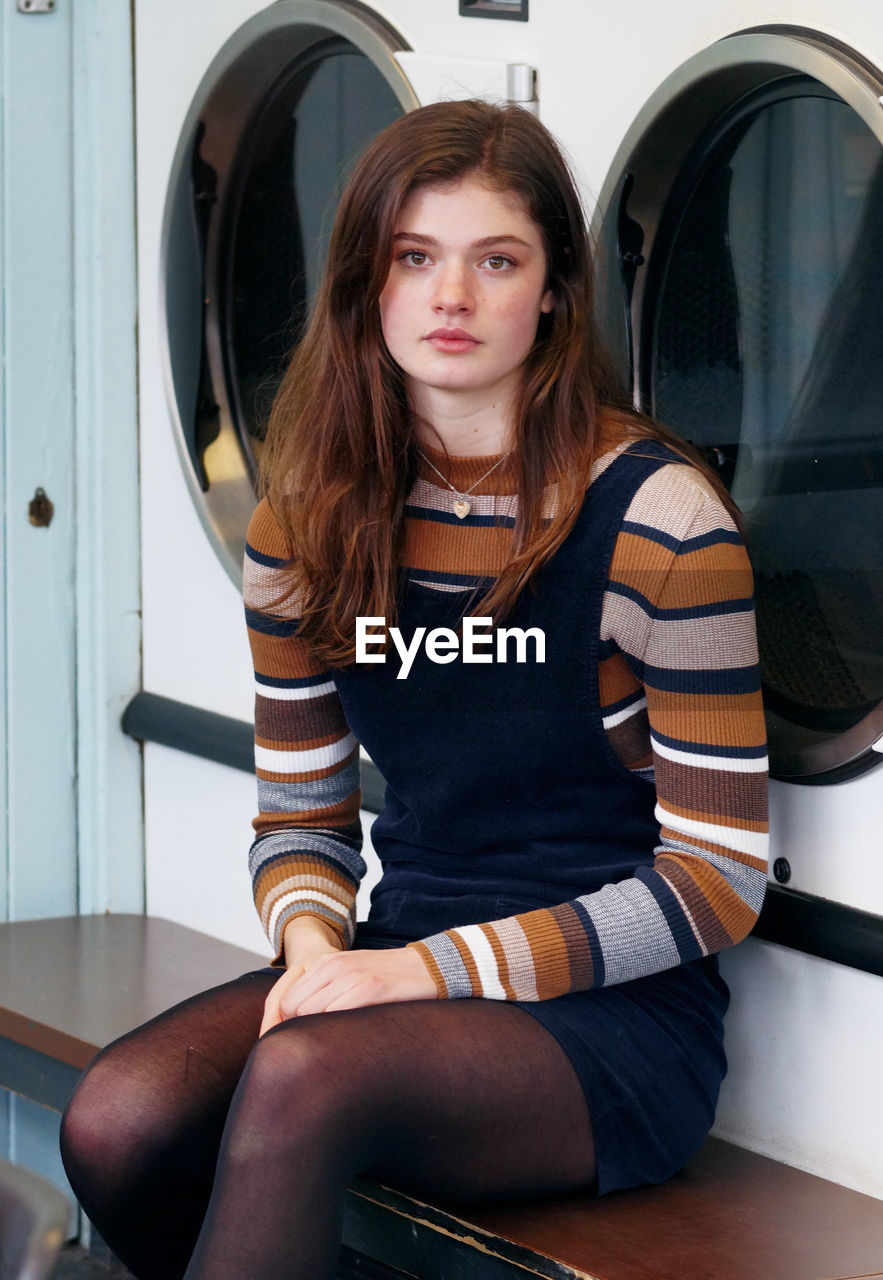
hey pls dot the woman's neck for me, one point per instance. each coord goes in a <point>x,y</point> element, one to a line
<point>461,428</point>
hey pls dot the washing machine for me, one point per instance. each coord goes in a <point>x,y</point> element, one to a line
<point>730,155</point>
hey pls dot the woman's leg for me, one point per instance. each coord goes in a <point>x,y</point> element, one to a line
<point>455,1099</point>
<point>141,1134</point>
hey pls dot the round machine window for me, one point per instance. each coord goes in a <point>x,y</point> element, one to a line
<point>281,115</point>
<point>285,191</point>
<point>753,312</point>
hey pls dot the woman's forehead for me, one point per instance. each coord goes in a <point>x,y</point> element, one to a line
<point>470,195</point>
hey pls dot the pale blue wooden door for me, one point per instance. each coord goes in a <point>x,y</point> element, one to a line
<point>37,435</point>
<point>38,628</point>
<point>70,786</point>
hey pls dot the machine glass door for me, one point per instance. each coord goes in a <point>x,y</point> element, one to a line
<point>282,113</point>
<point>744,248</point>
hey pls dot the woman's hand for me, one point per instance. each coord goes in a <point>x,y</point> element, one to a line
<point>355,978</point>
<point>305,940</point>
<point>332,979</point>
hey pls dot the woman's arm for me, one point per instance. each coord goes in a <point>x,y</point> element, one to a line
<point>679,672</point>
<point>306,859</point>
<point>306,862</point>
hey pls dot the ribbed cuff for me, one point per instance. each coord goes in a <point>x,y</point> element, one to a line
<point>447,967</point>
<point>434,971</point>
<point>344,932</point>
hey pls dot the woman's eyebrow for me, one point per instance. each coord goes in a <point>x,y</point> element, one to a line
<point>505,238</point>
<point>430,241</point>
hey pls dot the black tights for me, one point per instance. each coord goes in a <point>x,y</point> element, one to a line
<point>199,1153</point>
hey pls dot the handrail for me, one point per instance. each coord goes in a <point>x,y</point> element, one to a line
<point>801,921</point>
<point>150,717</point>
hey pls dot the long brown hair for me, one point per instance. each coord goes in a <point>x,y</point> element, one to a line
<point>339,463</point>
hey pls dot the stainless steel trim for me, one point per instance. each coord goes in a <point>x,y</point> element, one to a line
<point>232,88</point>
<point>851,752</point>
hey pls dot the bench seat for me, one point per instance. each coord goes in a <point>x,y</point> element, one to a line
<point>731,1215</point>
<point>69,986</point>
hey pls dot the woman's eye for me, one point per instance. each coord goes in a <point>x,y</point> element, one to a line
<point>416,257</point>
<point>497,262</point>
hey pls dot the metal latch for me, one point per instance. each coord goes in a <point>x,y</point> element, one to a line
<point>40,509</point>
<point>36,6</point>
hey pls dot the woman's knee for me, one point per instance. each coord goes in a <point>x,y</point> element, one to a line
<point>98,1128</point>
<point>127,1109</point>
<point>296,1091</point>
<point>297,1061</point>
<point>116,1107</point>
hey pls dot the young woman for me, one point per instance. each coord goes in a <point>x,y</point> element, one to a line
<point>535,613</point>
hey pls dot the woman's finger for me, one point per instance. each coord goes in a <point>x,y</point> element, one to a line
<point>272,1017</point>
<point>274,1012</point>
<point>308,984</point>
<point>342,993</point>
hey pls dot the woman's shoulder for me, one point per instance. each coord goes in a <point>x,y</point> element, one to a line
<point>267,557</point>
<point>265,537</point>
<point>676,499</point>
<point>679,501</point>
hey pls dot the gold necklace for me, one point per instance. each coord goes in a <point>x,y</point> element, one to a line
<point>461,506</point>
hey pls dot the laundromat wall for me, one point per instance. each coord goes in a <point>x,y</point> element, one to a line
<point>805,1033</point>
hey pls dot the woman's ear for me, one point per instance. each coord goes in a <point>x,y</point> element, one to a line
<point>547,302</point>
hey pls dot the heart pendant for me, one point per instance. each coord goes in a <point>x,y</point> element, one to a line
<point>461,508</point>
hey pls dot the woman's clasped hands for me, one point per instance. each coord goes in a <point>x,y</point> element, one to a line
<point>322,978</point>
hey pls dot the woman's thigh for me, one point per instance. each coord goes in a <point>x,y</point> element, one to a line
<point>451,1098</point>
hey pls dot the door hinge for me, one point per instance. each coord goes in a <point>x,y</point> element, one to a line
<point>36,6</point>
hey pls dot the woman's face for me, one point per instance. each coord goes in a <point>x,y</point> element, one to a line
<point>465,291</point>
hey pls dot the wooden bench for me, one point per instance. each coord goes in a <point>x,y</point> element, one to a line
<point>69,986</point>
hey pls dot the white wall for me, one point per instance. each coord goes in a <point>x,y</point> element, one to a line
<point>805,1040</point>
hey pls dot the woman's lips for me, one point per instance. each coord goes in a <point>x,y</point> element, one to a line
<point>452,340</point>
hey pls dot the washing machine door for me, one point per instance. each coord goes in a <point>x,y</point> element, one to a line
<point>280,116</point>
<point>741,234</point>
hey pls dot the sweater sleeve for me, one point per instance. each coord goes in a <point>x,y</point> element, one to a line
<point>306,859</point>
<point>681,704</point>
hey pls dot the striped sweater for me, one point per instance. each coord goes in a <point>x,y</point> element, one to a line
<point>681,705</point>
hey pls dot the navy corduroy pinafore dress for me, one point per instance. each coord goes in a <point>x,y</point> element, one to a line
<point>503,795</point>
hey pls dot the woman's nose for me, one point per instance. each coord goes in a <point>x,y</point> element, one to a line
<point>453,290</point>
